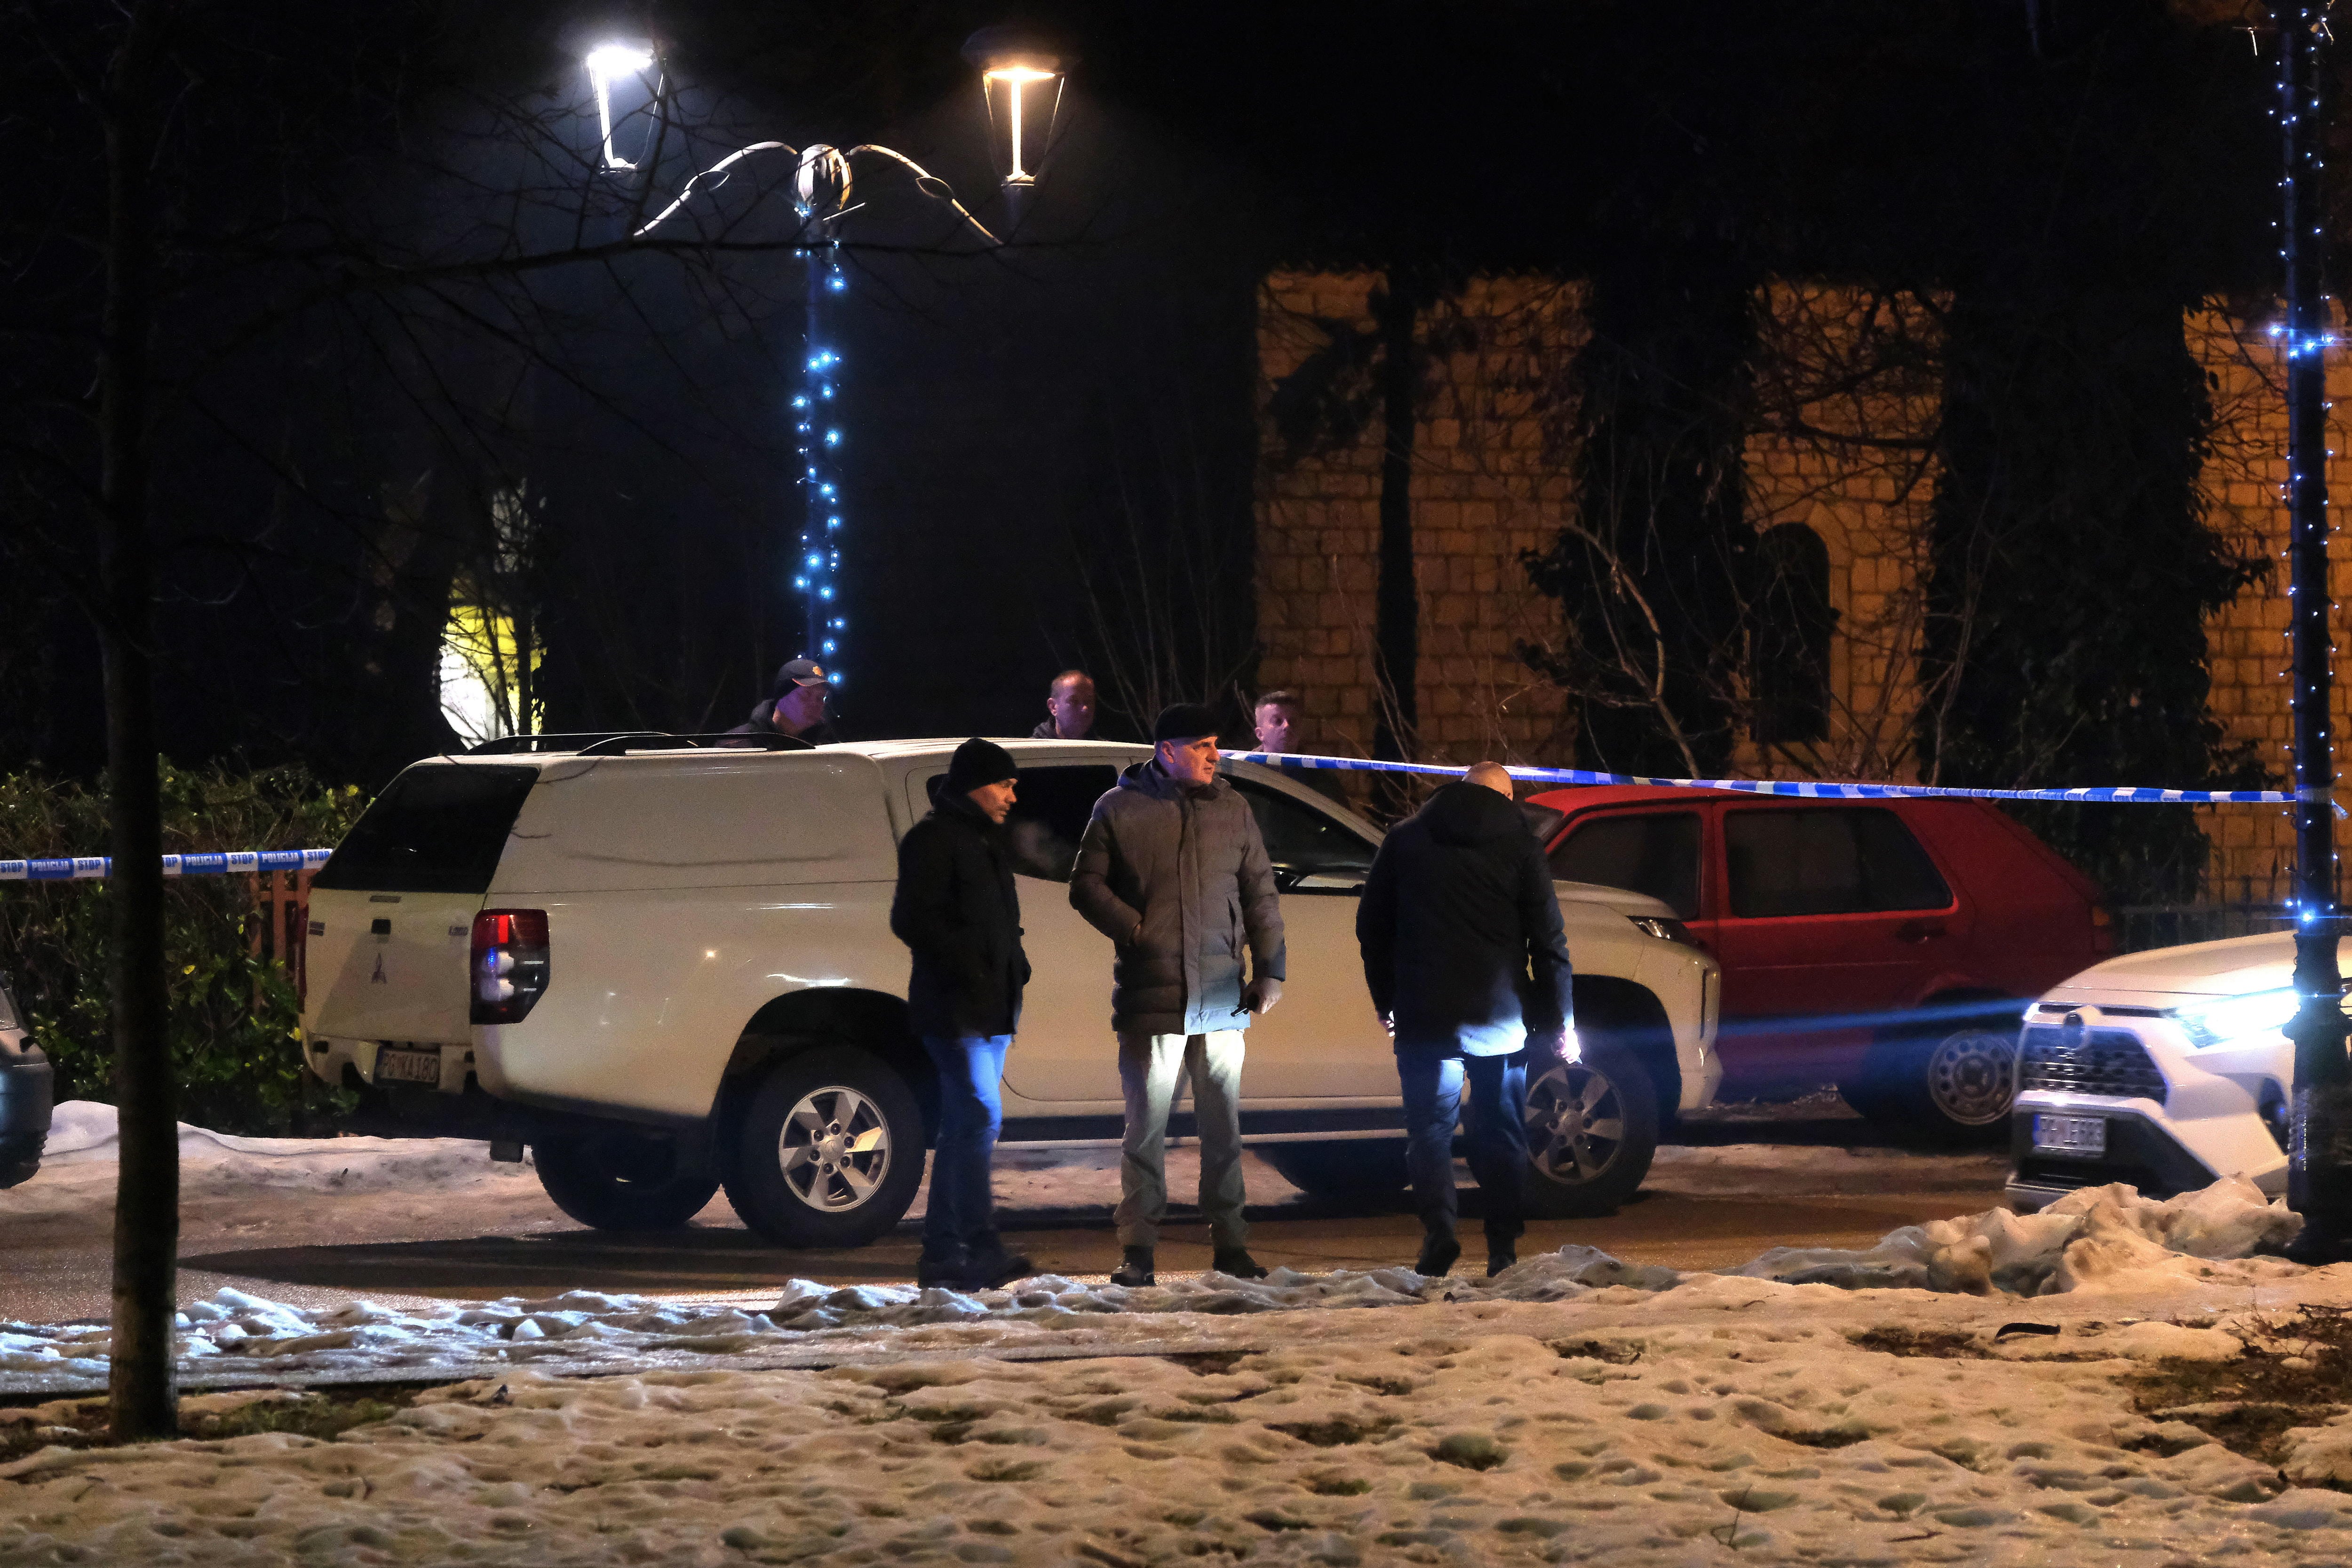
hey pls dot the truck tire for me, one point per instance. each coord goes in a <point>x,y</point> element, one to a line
<point>1368,1172</point>
<point>621,1180</point>
<point>830,1149</point>
<point>1592,1130</point>
<point>1944,1085</point>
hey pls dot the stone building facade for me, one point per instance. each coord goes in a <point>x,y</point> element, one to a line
<point>1839,462</point>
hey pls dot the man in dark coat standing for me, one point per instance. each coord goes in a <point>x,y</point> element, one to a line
<point>956,907</point>
<point>1468,967</point>
<point>1173,870</point>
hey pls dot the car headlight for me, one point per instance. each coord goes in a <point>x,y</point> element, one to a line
<point>2237,1020</point>
<point>1664,929</point>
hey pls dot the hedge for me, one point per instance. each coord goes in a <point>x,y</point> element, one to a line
<point>233,1013</point>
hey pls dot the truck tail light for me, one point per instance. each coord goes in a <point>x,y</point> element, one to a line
<point>509,964</point>
<point>2103,931</point>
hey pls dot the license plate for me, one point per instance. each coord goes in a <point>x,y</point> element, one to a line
<point>408,1067</point>
<point>2070,1134</point>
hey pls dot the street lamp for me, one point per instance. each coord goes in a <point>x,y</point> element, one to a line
<point>606,63</point>
<point>1011,61</point>
<point>822,180</point>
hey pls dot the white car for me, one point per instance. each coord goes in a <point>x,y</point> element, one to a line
<point>666,966</point>
<point>2167,1069</point>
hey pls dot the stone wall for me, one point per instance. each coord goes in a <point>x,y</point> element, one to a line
<point>1846,406</point>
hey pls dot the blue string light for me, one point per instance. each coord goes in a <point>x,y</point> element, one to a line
<point>820,555</point>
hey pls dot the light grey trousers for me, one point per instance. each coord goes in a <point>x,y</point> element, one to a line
<point>1149,1069</point>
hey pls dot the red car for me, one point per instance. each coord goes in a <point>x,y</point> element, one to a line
<point>1886,946</point>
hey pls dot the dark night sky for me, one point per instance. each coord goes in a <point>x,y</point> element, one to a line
<point>1010,413</point>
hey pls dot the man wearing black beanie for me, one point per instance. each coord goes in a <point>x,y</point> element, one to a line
<point>1173,872</point>
<point>957,908</point>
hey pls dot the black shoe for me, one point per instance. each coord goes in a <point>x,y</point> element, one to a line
<point>996,1267</point>
<point>947,1269</point>
<point>1500,1255</point>
<point>1135,1269</point>
<point>1237,1262</point>
<point>1437,1255</point>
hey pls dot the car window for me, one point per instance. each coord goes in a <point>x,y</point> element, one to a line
<point>1312,852</point>
<point>1835,861</point>
<point>437,828</point>
<point>1652,852</point>
<point>1050,808</point>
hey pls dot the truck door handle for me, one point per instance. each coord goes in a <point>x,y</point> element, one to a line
<point>1918,930</point>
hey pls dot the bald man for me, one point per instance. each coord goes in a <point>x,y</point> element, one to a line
<point>1468,967</point>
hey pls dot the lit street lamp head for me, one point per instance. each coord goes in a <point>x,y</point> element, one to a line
<point>1018,59</point>
<point>608,63</point>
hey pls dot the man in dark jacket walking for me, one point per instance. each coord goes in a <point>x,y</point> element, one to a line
<point>956,907</point>
<point>1173,870</point>
<point>1468,967</point>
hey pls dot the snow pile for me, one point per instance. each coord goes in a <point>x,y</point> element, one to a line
<point>2104,1238</point>
<point>2098,1238</point>
<point>76,1183</point>
<point>1745,1439</point>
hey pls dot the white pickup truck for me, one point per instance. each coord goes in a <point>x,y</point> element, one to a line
<point>666,966</point>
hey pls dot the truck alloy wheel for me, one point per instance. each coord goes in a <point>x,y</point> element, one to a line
<point>829,1151</point>
<point>1592,1128</point>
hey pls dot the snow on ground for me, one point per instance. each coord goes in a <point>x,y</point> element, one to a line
<point>2105,1238</point>
<point>1719,1420</point>
<point>1578,1409</point>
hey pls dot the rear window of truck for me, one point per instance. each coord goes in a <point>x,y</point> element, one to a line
<point>435,829</point>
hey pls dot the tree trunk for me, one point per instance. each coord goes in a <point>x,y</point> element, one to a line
<point>1396,631</point>
<point>143,1399</point>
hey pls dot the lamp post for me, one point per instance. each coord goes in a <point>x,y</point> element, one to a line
<point>1011,58</point>
<point>2319,1145</point>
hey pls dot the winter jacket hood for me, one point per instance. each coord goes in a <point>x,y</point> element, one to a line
<point>1463,942</point>
<point>1462,815</point>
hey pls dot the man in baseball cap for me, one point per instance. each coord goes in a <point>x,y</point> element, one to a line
<point>794,705</point>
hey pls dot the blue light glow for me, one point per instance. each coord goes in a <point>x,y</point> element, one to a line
<point>820,551</point>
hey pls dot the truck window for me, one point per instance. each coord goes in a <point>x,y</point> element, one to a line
<point>1050,808</point>
<point>1303,842</point>
<point>1836,861</point>
<point>435,829</point>
<point>1652,852</point>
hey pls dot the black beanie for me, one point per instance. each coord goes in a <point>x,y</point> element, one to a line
<point>978,763</point>
<point>1183,721</point>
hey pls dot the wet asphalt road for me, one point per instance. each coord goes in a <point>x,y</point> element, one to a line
<point>319,1253</point>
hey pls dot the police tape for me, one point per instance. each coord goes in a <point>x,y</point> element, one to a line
<point>90,866</point>
<point>81,867</point>
<point>1813,790</point>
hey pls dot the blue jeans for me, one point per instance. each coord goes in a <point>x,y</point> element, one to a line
<point>1433,1079</point>
<point>962,1212</point>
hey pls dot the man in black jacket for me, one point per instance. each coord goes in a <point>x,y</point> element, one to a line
<point>1468,968</point>
<point>956,907</point>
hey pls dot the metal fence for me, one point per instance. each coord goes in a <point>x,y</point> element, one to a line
<point>2139,927</point>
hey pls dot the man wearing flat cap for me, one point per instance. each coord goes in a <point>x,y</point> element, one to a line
<point>1173,872</point>
<point>957,909</point>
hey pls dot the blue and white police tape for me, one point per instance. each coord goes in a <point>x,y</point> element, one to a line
<point>1811,789</point>
<point>220,863</point>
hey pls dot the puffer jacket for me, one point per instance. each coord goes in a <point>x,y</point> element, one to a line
<point>1177,878</point>
<point>1460,929</point>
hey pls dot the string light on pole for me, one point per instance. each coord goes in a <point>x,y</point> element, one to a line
<point>821,190</point>
<point>2319,1145</point>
